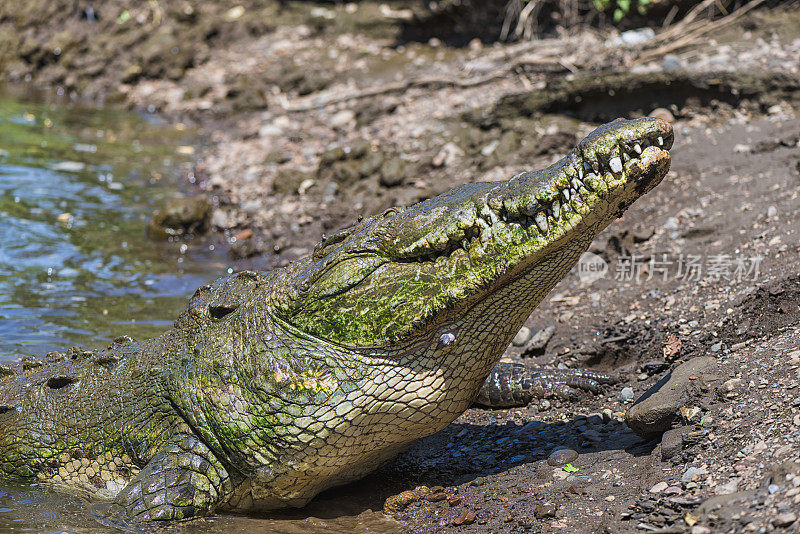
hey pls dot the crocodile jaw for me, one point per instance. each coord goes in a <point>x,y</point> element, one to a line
<point>395,279</point>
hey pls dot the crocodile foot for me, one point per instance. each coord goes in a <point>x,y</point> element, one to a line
<point>514,384</point>
<point>183,480</point>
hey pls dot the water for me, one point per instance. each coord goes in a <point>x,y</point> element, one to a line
<point>77,185</point>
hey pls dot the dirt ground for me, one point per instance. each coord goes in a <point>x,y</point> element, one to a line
<point>315,113</point>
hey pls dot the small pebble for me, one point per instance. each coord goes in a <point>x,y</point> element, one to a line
<point>467,518</point>
<point>658,488</point>
<point>772,488</point>
<point>544,510</point>
<point>561,457</point>
<point>626,395</point>
<point>700,529</point>
<point>522,337</point>
<point>772,211</point>
<point>691,472</point>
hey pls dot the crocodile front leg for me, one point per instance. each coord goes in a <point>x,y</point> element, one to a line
<point>181,481</point>
<point>514,384</point>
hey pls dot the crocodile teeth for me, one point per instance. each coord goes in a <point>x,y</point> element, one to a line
<point>638,148</point>
<point>660,140</point>
<point>576,184</point>
<point>566,194</point>
<point>616,164</point>
<point>625,156</point>
<point>556,209</point>
<point>541,221</point>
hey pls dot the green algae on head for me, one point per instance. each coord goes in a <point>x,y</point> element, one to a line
<point>376,282</point>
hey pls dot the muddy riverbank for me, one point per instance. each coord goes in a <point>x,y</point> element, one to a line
<point>313,114</point>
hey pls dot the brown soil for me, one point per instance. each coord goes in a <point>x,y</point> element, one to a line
<point>299,143</point>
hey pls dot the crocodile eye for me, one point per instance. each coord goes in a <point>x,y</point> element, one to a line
<point>58,382</point>
<point>5,408</point>
<point>330,240</point>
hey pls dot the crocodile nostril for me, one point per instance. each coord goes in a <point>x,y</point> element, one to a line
<point>58,382</point>
<point>218,312</point>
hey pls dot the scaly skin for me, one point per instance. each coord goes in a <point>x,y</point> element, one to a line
<point>274,386</point>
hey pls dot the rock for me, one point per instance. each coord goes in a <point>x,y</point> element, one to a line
<point>731,486</point>
<point>545,510</point>
<point>288,181</point>
<point>690,473</point>
<point>560,457</point>
<point>522,337</point>
<point>448,155</point>
<point>219,219</point>
<point>665,115</point>
<point>626,395</point>
<point>784,519</point>
<point>672,442</point>
<point>343,119</point>
<point>393,172</point>
<point>180,217</point>
<point>772,211</point>
<point>131,73</point>
<point>397,503</point>
<point>467,518</point>
<point>633,37</point>
<point>270,130</point>
<point>348,164</point>
<point>700,529</point>
<point>658,407</point>
<point>592,435</point>
<point>595,419</point>
<point>741,148</point>
<point>671,62</point>
<point>246,246</point>
<point>658,488</point>
<point>537,343</point>
<point>729,387</point>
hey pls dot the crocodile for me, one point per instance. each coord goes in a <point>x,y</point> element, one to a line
<point>274,386</point>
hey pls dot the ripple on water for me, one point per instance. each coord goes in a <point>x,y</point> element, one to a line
<point>76,186</point>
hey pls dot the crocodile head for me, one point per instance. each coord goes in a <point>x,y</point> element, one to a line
<point>399,279</point>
